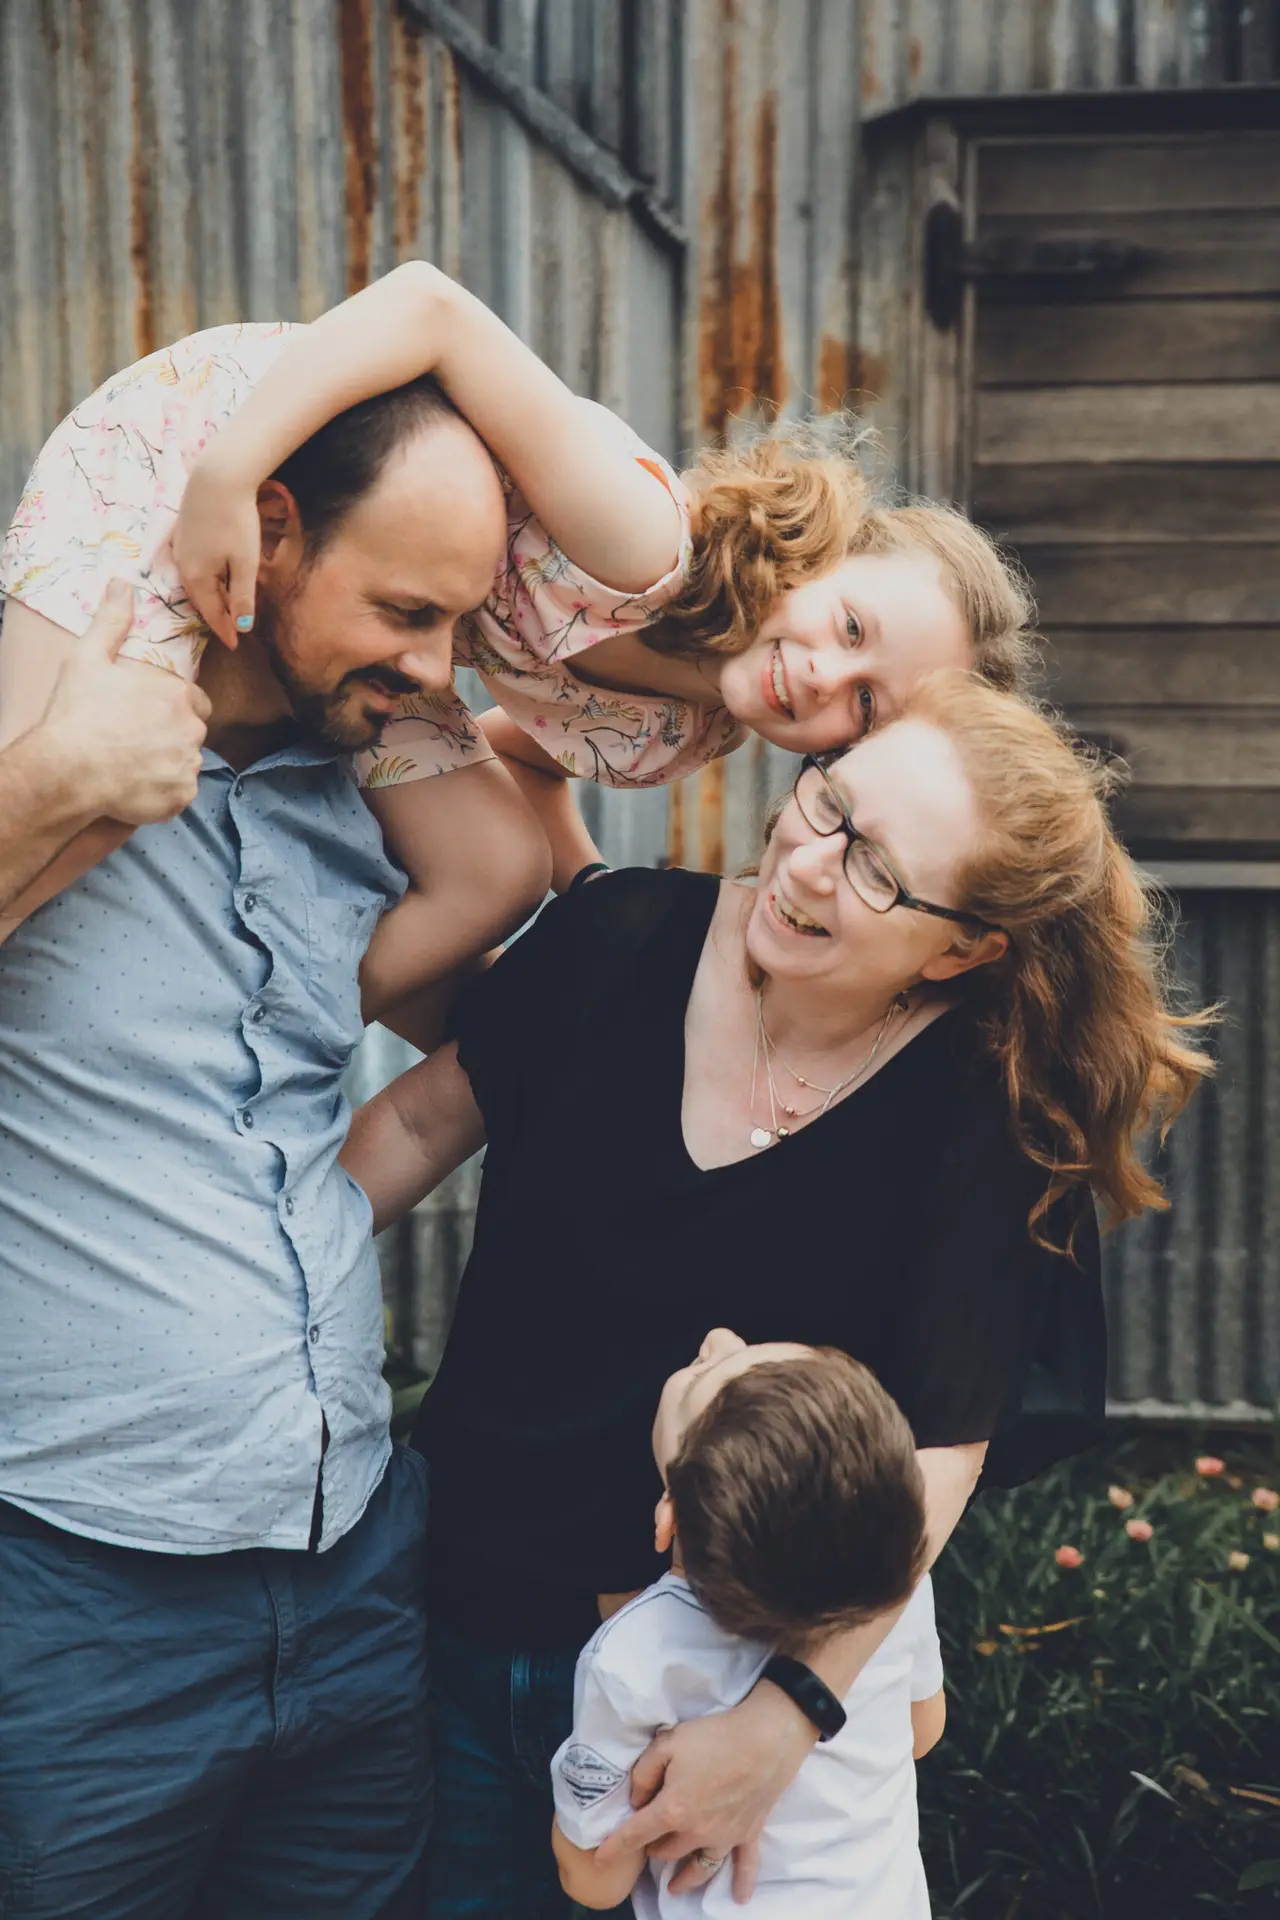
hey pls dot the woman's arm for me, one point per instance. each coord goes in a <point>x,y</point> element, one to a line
<point>478,866</point>
<point>595,499</point>
<point>711,1784</point>
<point>414,1133</point>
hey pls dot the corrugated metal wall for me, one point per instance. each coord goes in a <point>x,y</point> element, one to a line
<point>681,240</point>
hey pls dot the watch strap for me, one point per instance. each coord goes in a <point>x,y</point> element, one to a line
<point>813,1697</point>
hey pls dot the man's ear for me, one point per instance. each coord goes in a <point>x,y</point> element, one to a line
<point>966,954</point>
<point>280,524</point>
<point>664,1525</point>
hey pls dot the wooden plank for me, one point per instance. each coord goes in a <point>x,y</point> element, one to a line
<point>1182,253</point>
<point>1048,344</point>
<point>1154,585</point>
<point>1129,500</point>
<point>1214,822</point>
<point>1119,175</point>
<point>1172,666</point>
<point>1223,421</point>
<point>1193,747</point>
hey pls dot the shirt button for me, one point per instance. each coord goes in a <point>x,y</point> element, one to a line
<point>238,789</point>
<point>246,1118</point>
<point>288,1203</point>
<point>250,902</point>
<point>313,1334</point>
<point>258,1015</point>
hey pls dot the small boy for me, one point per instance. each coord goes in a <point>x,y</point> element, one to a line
<point>793,1508</point>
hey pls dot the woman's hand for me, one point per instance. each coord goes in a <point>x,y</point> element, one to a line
<point>217,543</point>
<point>708,1786</point>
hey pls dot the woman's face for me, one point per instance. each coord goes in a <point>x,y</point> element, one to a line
<point>905,789</point>
<point>840,654</point>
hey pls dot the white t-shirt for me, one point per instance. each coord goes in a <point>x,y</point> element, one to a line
<point>844,1838</point>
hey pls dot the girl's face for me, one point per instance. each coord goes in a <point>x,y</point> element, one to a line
<point>906,790</point>
<point>840,654</point>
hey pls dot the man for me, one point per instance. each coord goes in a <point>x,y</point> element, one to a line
<point>212,1671</point>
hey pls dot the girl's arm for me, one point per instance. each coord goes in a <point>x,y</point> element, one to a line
<point>414,1133</point>
<point>546,787</point>
<point>595,499</point>
<point>478,866</point>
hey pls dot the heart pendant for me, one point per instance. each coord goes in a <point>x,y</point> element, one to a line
<point>760,1136</point>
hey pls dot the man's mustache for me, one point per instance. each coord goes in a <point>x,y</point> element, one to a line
<point>385,677</point>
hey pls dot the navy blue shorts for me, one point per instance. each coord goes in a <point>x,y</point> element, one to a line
<point>237,1736</point>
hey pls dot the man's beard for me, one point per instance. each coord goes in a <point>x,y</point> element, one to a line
<point>331,720</point>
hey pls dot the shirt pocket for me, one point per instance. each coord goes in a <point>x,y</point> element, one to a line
<point>338,931</point>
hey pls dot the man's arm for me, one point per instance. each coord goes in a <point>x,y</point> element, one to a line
<point>91,747</point>
<point>928,1723</point>
<point>710,1784</point>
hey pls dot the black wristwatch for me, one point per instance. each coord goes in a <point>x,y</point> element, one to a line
<point>813,1697</point>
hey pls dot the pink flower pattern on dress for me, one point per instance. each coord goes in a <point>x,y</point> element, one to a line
<point>103,499</point>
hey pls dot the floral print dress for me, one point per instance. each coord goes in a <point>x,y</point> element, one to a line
<point>103,499</point>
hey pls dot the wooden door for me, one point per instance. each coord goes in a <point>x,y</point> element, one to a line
<point>1119,347</point>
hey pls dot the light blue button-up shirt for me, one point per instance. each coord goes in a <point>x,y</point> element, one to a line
<point>188,1287</point>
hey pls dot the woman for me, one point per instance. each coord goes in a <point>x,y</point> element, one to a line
<point>639,621</point>
<point>865,1103</point>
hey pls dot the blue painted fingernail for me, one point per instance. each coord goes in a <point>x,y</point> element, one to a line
<point>244,622</point>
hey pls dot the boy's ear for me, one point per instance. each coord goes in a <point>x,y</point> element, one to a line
<point>664,1525</point>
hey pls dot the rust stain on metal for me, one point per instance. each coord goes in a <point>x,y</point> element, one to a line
<point>355,36</point>
<point>676,851</point>
<point>740,331</point>
<point>409,82</point>
<point>144,316</point>
<point>847,372</point>
<point>915,59</point>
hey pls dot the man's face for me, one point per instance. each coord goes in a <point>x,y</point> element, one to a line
<point>352,629</point>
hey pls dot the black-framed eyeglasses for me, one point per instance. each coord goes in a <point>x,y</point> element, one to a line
<point>868,870</point>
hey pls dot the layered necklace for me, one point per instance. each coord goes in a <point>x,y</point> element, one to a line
<point>766,1052</point>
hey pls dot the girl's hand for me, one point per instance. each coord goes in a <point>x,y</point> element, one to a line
<point>217,544</point>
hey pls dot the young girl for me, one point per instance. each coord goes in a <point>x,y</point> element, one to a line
<point>640,621</point>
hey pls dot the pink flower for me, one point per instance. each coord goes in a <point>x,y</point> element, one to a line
<point>1139,1529</point>
<point>1237,1561</point>
<point>1120,1497</point>
<point>1069,1557</point>
<point>1266,1498</point>
<point>1210,1466</point>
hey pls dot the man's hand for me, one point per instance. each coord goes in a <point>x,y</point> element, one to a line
<point>708,1786</point>
<point>128,734</point>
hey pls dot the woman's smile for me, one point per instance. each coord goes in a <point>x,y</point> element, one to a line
<point>792,920</point>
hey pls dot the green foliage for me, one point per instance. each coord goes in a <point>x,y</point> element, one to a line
<point>1113,1741</point>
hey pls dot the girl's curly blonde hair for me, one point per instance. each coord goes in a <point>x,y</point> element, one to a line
<point>792,504</point>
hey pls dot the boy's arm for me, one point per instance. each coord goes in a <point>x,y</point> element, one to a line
<point>928,1722</point>
<point>599,504</point>
<point>478,866</point>
<point>586,1881</point>
<point>406,1139</point>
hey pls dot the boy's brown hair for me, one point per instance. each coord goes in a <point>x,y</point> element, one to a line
<point>799,1502</point>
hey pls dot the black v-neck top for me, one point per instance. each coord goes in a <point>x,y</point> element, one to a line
<point>894,1227</point>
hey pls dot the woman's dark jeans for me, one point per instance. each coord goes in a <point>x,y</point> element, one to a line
<point>497,1719</point>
